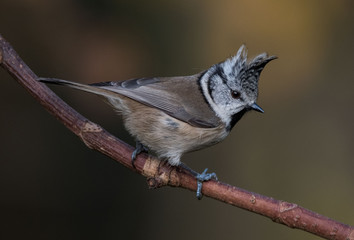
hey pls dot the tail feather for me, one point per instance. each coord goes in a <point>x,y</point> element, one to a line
<point>80,86</point>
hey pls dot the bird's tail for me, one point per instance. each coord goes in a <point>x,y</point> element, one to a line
<point>83,87</point>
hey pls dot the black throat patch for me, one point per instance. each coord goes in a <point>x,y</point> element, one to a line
<point>235,118</point>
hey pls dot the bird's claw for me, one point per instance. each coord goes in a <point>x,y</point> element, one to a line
<point>138,149</point>
<point>202,177</point>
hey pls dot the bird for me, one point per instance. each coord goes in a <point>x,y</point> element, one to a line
<point>175,115</point>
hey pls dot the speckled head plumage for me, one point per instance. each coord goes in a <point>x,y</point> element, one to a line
<point>231,87</point>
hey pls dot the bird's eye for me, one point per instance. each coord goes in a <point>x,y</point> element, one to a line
<point>235,94</point>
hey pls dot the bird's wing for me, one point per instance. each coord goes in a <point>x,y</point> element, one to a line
<point>179,97</point>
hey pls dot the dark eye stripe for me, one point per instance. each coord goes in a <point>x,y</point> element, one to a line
<point>211,82</point>
<point>220,71</point>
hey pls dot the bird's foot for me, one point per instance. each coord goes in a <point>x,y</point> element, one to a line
<point>139,147</point>
<point>202,177</point>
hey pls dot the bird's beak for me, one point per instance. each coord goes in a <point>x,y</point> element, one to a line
<point>257,108</point>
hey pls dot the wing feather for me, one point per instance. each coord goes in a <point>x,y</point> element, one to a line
<point>179,97</point>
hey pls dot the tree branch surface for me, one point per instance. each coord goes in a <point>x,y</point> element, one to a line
<point>159,173</point>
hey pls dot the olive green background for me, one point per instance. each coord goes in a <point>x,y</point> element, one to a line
<point>300,150</point>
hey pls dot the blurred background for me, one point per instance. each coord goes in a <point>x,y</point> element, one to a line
<point>300,150</point>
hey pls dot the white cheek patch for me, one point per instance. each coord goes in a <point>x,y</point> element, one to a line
<point>222,113</point>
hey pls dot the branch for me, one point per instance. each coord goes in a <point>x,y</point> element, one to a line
<point>159,173</point>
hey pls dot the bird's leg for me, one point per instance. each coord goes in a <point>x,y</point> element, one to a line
<point>201,177</point>
<point>139,147</point>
